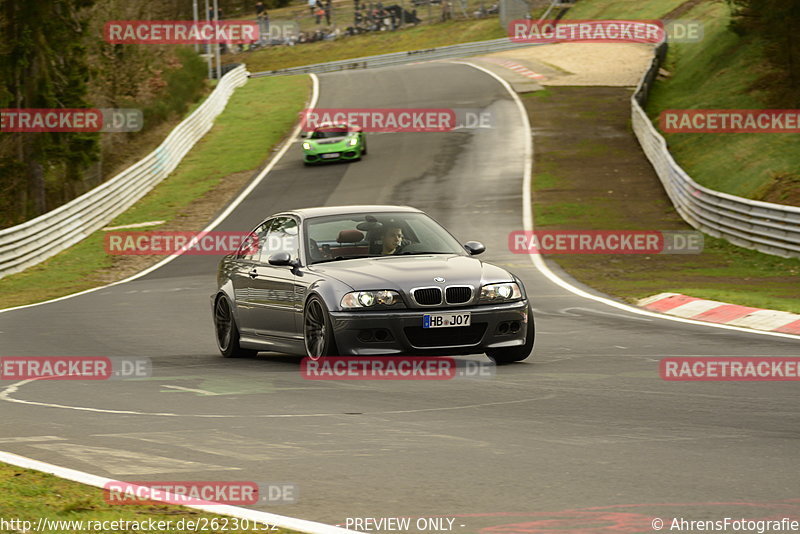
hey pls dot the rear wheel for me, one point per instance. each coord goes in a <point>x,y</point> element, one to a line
<point>516,354</point>
<point>317,330</point>
<point>228,332</point>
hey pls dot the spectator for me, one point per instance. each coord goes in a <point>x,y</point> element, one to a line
<point>328,9</point>
<point>447,10</point>
<point>312,4</point>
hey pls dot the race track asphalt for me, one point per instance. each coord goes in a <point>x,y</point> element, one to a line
<point>583,435</point>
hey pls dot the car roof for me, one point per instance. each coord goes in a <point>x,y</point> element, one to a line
<point>309,213</point>
<point>327,125</point>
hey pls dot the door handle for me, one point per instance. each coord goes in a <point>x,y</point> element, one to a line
<point>253,273</point>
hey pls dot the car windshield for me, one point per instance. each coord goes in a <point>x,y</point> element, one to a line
<point>343,237</point>
<point>324,133</point>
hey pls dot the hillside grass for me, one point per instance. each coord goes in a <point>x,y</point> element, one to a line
<point>256,119</point>
<point>723,72</point>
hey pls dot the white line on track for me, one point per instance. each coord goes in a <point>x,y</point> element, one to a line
<point>539,263</point>
<point>13,388</point>
<point>300,525</point>
<point>293,523</point>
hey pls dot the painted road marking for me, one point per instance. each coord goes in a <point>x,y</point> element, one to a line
<point>214,442</point>
<point>28,439</point>
<point>121,462</point>
<point>190,390</point>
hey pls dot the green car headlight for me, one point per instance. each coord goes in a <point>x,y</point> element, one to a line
<point>306,146</point>
<point>500,292</point>
<point>353,141</point>
<point>369,299</point>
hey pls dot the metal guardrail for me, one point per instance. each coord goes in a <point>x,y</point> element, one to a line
<point>36,240</point>
<point>763,226</point>
<point>401,58</point>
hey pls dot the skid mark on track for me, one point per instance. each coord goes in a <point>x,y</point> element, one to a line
<point>215,442</point>
<point>120,462</point>
<point>28,439</point>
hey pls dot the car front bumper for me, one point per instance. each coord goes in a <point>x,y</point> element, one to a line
<point>346,154</point>
<point>368,333</point>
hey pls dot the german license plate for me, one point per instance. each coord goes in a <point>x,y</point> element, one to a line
<point>445,320</point>
<point>330,156</point>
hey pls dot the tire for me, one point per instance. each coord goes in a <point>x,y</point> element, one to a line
<point>317,330</point>
<point>364,150</point>
<point>227,333</point>
<point>516,354</point>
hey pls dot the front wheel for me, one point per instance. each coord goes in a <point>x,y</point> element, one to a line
<point>516,354</point>
<point>227,331</point>
<point>318,330</point>
<point>364,150</point>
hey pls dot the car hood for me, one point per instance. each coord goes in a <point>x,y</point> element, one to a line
<point>329,142</point>
<point>402,273</point>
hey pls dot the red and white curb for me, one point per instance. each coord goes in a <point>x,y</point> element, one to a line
<point>516,67</point>
<point>713,311</point>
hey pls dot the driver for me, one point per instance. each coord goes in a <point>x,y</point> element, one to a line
<point>392,240</point>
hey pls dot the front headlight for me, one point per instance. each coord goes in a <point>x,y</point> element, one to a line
<point>370,299</point>
<point>306,146</point>
<point>500,292</point>
<point>353,141</point>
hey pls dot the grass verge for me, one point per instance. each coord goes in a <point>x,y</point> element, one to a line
<point>257,118</point>
<point>590,173</point>
<point>723,72</point>
<point>626,9</point>
<point>29,495</point>
<point>416,38</point>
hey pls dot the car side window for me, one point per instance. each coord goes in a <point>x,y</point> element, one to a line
<point>251,246</point>
<point>282,237</point>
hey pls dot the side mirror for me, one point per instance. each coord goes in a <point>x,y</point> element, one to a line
<point>280,259</point>
<point>474,247</point>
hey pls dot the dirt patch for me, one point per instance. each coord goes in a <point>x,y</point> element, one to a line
<point>783,189</point>
<point>193,218</point>
<point>575,64</point>
<point>682,9</point>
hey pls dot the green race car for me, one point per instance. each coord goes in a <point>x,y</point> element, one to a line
<point>334,142</point>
